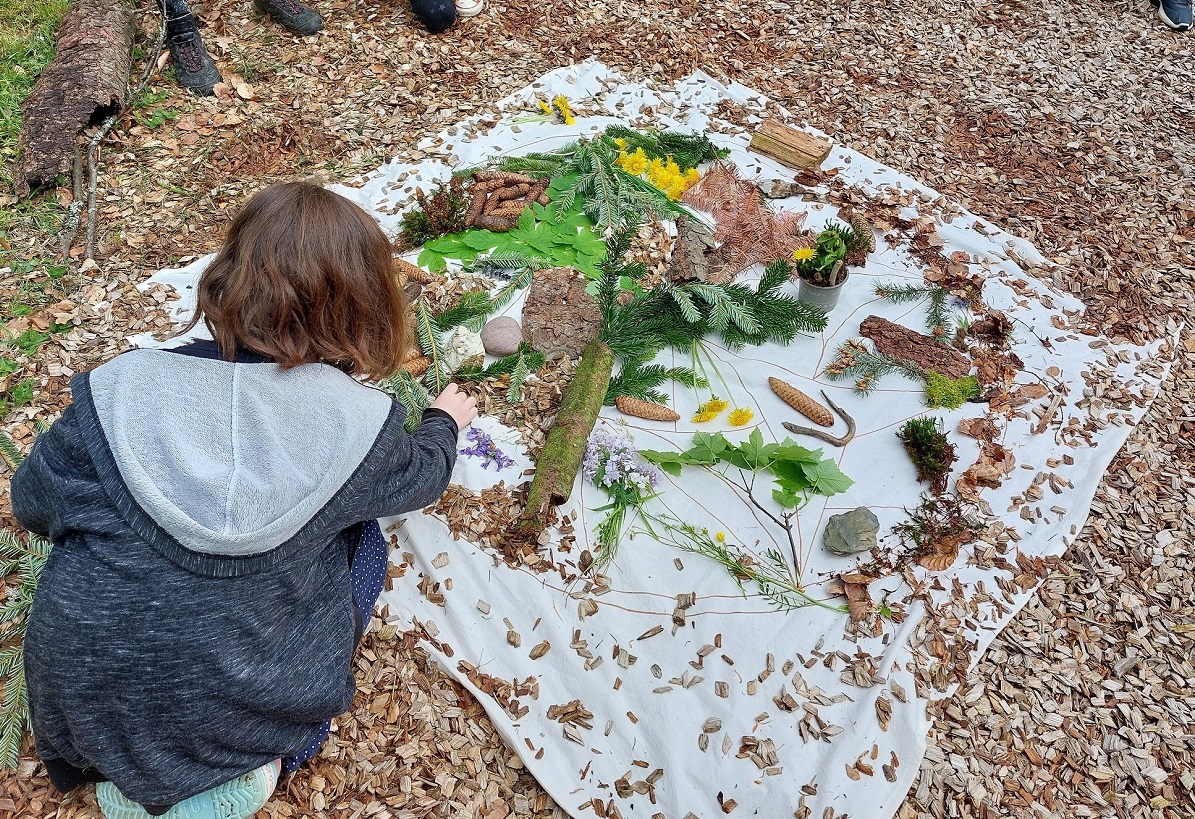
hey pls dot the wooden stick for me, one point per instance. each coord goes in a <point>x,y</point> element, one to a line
<point>822,435</point>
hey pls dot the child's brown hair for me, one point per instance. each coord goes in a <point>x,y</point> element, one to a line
<point>306,276</point>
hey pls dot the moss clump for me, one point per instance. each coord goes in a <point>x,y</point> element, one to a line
<point>441,212</point>
<point>949,393</point>
<point>930,450</point>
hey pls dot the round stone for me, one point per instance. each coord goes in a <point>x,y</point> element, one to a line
<point>502,336</point>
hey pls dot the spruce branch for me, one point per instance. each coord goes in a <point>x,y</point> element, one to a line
<point>638,379</point>
<point>26,557</point>
<point>938,317</point>
<point>407,391</point>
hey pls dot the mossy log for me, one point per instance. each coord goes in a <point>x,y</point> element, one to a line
<point>564,448</point>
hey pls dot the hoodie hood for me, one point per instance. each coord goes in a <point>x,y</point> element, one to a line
<point>233,459</point>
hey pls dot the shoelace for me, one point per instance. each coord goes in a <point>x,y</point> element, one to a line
<point>191,55</point>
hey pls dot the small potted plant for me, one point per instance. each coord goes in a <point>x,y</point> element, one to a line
<point>821,265</point>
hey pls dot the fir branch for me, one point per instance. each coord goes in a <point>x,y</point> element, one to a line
<point>938,318</point>
<point>431,342</point>
<point>855,359</point>
<point>26,557</point>
<point>640,380</point>
<point>406,390</point>
<point>10,452</point>
<point>506,264</point>
<point>518,378</point>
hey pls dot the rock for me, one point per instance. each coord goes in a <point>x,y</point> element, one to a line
<point>502,336</point>
<point>559,317</point>
<point>852,532</point>
<point>461,346</point>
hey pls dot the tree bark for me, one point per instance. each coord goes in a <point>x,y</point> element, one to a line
<point>899,342</point>
<point>86,82</point>
<point>564,448</point>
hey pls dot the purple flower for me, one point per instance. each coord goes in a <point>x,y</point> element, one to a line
<point>485,448</point>
<point>610,460</point>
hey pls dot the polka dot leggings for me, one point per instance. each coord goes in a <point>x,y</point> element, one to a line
<point>367,575</point>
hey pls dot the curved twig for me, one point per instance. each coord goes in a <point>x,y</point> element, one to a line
<point>825,436</point>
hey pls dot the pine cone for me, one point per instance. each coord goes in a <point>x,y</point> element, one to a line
<point>644,409</point>
<point>417,366</point>
<point>801,402</point>
<point>414,273</point>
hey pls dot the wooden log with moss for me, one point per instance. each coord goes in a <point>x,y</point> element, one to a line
<point>564,448</point>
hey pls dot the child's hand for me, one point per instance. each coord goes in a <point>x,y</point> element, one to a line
<point>462,407</point>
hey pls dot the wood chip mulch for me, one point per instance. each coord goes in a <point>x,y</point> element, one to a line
<point>1070,125</point>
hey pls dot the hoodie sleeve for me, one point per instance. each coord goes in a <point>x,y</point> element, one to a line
<point>410,470</point>
<point>42,482</point>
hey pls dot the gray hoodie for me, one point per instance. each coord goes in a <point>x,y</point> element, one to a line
<point>195,619</point>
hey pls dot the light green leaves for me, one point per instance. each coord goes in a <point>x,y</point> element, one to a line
<point>797,471</point>
<point>562,234</point>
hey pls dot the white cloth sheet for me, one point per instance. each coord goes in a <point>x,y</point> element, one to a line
<point>634,718</point>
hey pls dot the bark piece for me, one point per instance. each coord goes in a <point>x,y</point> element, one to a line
<point>564,448</point>
<point>559,317</point>
<point>85,83</point>
<point>908,345</point>
<point>788,146</point>
<point>691,254</point>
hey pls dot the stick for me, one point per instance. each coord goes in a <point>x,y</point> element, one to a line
<point>821,434</point>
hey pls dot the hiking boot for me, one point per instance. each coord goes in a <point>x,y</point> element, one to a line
<point>193,68</point>
<point>291,15</point>
<point>1174,13</point>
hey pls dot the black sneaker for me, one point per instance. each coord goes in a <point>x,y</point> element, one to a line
<point>1174,13</point>
<point>291,15</point>
<point>193,68</point>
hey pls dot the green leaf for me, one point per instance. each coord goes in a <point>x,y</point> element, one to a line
<point>480,239</point>
<point>791,474</point>
<point>431,260</point>
<point>526,220</point>
<point>670,462</point>
<point>755,452</point>
<point>826,478</point>
<point>787,498</point>
<point>708,448</point>
<point>446,244</point>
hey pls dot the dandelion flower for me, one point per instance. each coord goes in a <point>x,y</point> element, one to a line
<point>710,410</point>
<point>740,416</point>
<point>804,254</point>
<point>720,537</point>
<point>560,102</point>
<point>702,417</point>
<point>543,106</point>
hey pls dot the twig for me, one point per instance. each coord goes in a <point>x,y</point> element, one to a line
<point>821,434</point>
<point>105,129</point>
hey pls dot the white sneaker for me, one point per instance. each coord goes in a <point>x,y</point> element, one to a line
<point>469,8</point>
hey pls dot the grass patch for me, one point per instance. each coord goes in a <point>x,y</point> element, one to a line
<point>27,29</point>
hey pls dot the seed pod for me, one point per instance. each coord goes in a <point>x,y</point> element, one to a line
<point>507,177</point>
<point>417,366</point>
<point>487,186</point>
<point>476,207</point>
<point>801,402</point>
<point>644,409</point>
<point>497,223</point>
<point>414,273</point>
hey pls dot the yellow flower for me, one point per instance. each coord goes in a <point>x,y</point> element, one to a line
<point>710,410</point>
<point>692,176</point>
<point>633,163</point>
<point>720,537</point>
<point>716,405</point>
<point>566,113</point>
<point>740,416</point>
<point>804,254</point>
<point>621,143</point>
<point>702,417</point>
<point>543,106</point>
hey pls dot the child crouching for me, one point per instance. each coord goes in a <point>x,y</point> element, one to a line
<point>213,513</point>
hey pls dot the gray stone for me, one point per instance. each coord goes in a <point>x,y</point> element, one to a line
<point>852,532</point>
<point>501,336</point>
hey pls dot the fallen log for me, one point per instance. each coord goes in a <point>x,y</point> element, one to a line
<point>560,459</point>
<point>86,82</point>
